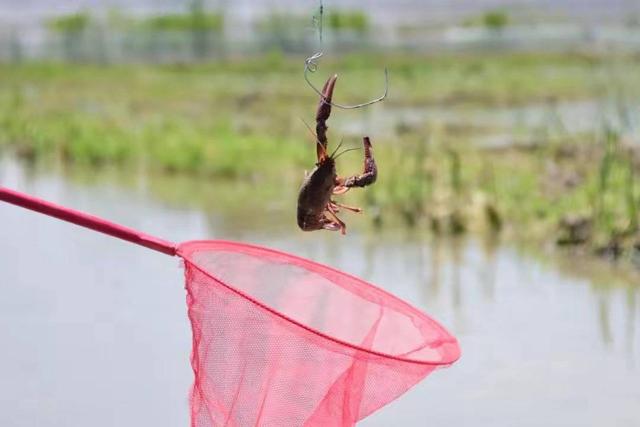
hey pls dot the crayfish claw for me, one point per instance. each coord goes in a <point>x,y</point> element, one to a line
<point>370,172</point>
<point>324,109</point>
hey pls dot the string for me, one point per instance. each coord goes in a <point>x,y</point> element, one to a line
<point>311,66</point>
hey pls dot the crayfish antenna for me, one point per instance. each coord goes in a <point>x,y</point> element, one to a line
<point>309,128</point>
<point>346,151</point>
<point>337,148</point>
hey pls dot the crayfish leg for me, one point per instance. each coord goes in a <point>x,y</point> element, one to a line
<point>342,225</point>
<point>336,206</point>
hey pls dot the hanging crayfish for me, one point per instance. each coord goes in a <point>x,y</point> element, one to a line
<point>316,208</point>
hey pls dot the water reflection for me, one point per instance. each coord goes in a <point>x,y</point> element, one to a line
<point>79,311</point>
<point>490,244</point>
<point>603,316</point>
<point>631,324</point>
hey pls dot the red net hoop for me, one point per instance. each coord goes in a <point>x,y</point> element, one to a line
<point>282,341</point>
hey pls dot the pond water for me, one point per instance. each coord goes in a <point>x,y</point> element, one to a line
<point>94,331</point>
<point>501,127</point>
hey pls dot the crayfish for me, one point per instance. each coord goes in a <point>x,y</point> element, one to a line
<point>316,208</point>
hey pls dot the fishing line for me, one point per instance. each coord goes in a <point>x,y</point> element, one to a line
<point>311,66</point>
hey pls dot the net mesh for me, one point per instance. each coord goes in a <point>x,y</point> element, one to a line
<point>282,341</point>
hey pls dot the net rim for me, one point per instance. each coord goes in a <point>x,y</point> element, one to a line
<point>185,249</point>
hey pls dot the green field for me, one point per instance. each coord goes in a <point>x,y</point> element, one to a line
<point>243,120</point>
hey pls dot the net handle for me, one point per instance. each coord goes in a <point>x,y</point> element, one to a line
<point>88,221</point>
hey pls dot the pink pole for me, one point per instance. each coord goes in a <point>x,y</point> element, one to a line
<point>87,221</point>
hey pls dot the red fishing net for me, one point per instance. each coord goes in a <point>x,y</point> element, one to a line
<point>282,341</point>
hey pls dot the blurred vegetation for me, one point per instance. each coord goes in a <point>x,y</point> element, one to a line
<point>73,31</point>
<point>354,20</point>
<point>283,30</point>
<point>197,21</point>
<point>73,23</point>
<point>495,20</point>
<point>197,33</point>
<point>292,25</point>
<point>242,120</point>
<point>85,38</point>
